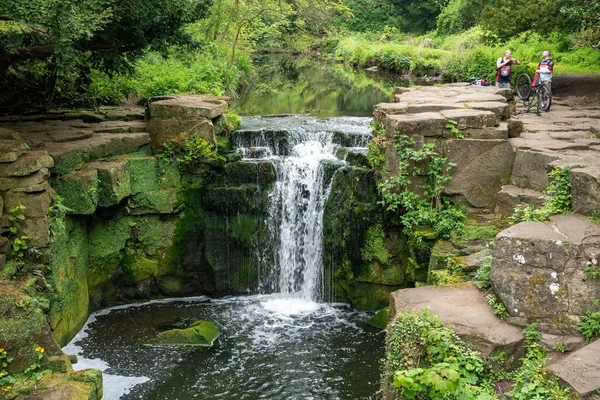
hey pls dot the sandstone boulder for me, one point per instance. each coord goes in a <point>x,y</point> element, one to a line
<point>423,124</point>
<point>26,164</point>
<point>538,271</point>
<point>11,150</point>
<point>79,191</point>
<point>464,307</point>
<point>581,369</point>
<point>482,167</point>
<point>585,189</point>
<point>511,196</point>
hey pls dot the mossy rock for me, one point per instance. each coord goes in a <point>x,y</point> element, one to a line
<point>380,319</point>
<point>164,201</point>
<point>200,333</point>
<point>143,173</point>
<point>79,191</point>
<point>78,385</point>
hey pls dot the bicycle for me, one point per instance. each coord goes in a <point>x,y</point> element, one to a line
<point>538,94</point>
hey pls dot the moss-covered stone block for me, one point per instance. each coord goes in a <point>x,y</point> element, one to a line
<point>36,204</point>
<point>143,173</point>
<point>259,173</point>
<point>380,319</point>
<point>199,333</point>
<point>79,191</point>
<point>163,201</point>
<point>113,182</point>
<point>69,299</point>
<point>78,385</point>
<point>107,242</point>
<point>243,199</point>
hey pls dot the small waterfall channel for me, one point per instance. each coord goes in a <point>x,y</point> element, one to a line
<point>286,343</point>
<point>306,152</point>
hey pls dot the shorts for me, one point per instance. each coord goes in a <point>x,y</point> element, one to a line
<point>503,85</point>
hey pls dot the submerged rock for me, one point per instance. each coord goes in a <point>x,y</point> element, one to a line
<point>200,333</point>
<point>380,319</point>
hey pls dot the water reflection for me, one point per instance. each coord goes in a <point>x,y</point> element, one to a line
<point>295,85</point>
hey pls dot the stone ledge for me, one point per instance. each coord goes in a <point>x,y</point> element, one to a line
<point>466,308</point>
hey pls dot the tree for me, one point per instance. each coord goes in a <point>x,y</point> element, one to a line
<point>418,16</point>
<point>67,37</point>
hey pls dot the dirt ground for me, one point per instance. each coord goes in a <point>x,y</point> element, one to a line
<point>577,90</point>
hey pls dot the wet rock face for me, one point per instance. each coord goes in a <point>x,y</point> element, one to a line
<point>199,333</point>
<point>538,271</point>
<point>176,118</point>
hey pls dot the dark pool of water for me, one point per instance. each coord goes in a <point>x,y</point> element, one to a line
<point>270,348</point>
<point>297,85</point>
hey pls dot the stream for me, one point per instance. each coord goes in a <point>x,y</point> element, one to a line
<point>288,342</point>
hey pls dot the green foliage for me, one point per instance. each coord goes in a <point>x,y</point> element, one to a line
<point>418,211</point>
<point>557,201</point>
<point>426,360</point>
<point>371,16</point>
<point>48,48</point>
<point>374,248</point>
<point>532,381</point>
<point>19,244</point>
<point>198,150</point>
<point>452,126</point>
<point>478,232</point>
<point>482,276</point>
<point>595,217</point>
<point>593,272</point>
<point>499,309</point>
<point>590,323</point>
<point>559,346</point>
<point>459,15</point>
<point>377,144</point>
<point>5,378</point>
<point>56,218</point>
<point>227,122</point>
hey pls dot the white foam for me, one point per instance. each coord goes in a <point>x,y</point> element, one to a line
<point>290,306</point>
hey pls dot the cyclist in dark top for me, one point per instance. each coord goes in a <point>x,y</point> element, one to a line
<point>504,74</point>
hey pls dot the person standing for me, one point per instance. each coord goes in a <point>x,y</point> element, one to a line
<point>504,73</point>
<point>543,74</point>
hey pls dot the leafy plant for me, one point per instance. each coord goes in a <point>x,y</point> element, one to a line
<point>532,381</point>
<point>595,217</point>
<point>56,218</point>
<point>19,244</point>
<point>482,276</point>
<point>590,323</point>
<point>417,212</point>
<point>498,307</point>
<point>5,378</point>
<point>377,144</point>
<point>197,150</point>
<point>557,201</point>
<point>426,360</point>
<point>452,126</point>
<point>560,347</point>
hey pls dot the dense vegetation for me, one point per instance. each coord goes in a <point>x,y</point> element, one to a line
<point>64,53</point>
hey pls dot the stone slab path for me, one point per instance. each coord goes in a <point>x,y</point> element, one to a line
<point>581,370</point>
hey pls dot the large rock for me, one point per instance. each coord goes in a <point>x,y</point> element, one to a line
<point>465,308</point>
<point>581,369</point>
<point>482,167</point>
<point>11,150</point>
<point>36,204</point>
<point>538,271</point>
<point>531,168</point>
<point>27,164</point>
<point>79,191</point>
<point>423,124</point>
<point>199,333</point>
<point>31,180</point>
<point>187,107</point>
<point>467,118</point>
<point>585,189</point>
<point>179,131</point>
<point>511,196</point>
<point>113,182</point>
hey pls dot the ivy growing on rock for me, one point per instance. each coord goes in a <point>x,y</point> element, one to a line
<point>427,214</point>
<point>557,201</point>
<point>426,360</point>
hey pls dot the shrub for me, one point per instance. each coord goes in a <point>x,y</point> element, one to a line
<point>426,360</point>
<point>590,323</point>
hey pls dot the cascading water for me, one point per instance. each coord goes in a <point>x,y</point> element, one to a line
<point>300,148</point>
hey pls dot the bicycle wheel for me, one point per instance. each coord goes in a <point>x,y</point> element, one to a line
<point>523,86</point>
<point>545,97</point>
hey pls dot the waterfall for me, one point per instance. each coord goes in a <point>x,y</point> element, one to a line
<point>300,148</point>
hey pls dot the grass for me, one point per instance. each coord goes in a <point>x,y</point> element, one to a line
<point>459,57</point>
